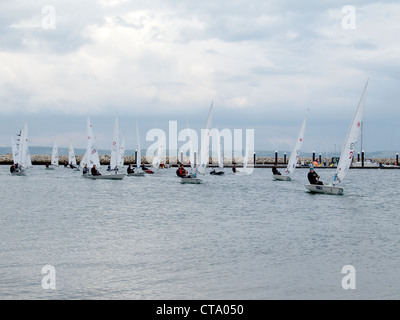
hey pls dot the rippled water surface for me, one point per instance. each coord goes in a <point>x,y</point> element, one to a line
<point>232,237</point>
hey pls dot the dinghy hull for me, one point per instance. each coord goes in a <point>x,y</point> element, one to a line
<point>118,176</point>
<point>316,188</point>
<point>136,174</point>
<point>191,181</point>
<point>281,177</point>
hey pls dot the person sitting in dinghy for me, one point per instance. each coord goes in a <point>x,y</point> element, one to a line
<point>85,169</point>
<point>275,170</point>
<point>94,171</point>
<point>313,177</point>
<point>12,168</point>
<point>234,168</point>
<point>181,172</point>
<point>130,169</point>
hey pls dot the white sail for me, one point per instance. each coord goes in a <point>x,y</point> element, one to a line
<point>115,146</point>
<point>71,154</point>
<point>205,144</point>
<point>26,151</point>
<point>24,160</point>
<point>54,155</point>
<point>159,154</point>
<point>14,150</point>
<point>121,161</point>
<point>346,156</point>
<point>84,160</point>
<point>294,156</point>
<point>91,148</point>
<point>191,149</point>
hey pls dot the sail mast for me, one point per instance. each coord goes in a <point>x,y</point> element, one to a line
<point>346,156</point>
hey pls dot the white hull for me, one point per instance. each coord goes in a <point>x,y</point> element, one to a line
<point>19,173</point>
<point>316,188</point>
<point>191,181</point>
<point>136,174</point>
<point>281,177</point>
<point>118,176</point>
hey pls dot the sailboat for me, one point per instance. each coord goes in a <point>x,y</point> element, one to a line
<point>115,150</point>
<point>346,156</point>
<point>71,156</point>
<point>138,172</point>
<point>205,144</point>
<point>54,158</point>
<point>192,177</point>
<point>121,161</point>
<point>92,157</point>
<point>14,150</point>
<point>24,158</point>
<point>157,159</point>
<point>294,156</point>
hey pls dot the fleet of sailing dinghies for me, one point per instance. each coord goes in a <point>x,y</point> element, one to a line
<point>346,156</point>
<point>294,156</point>
<point>92,158</point>
<point>22,159</point>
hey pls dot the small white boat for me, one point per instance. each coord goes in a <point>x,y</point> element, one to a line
<point>139,172</point>
<point>281,177</point>
<point>18,173</point>
<point>136,174</point>
<point>191,179</point>
<point>118,176</point>
<point>22,155</point>
<point>346,156</point>
<point>294,156</point>
<point>330,189</point>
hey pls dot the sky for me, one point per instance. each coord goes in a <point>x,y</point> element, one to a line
<point>261,63</point>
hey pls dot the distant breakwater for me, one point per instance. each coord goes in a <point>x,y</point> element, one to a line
<point>130,159</point>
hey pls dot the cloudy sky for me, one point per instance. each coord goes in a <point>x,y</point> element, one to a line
<point>262,62</point>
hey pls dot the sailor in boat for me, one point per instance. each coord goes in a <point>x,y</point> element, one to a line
<point>47,165</point>
<point>275,170</point>
<point>234,168</point>
<point>12,168</point>
<point>146,169</point>
<point>72,166</point>
<point>130,169</point>
<point>181,172</point>
<point>313,177</point>
<point>65,164</point>
<point>94,171</point>
<point>85,169</point>
<point>213,171</point>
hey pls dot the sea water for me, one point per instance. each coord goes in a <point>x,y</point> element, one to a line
<point>232,237</point>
